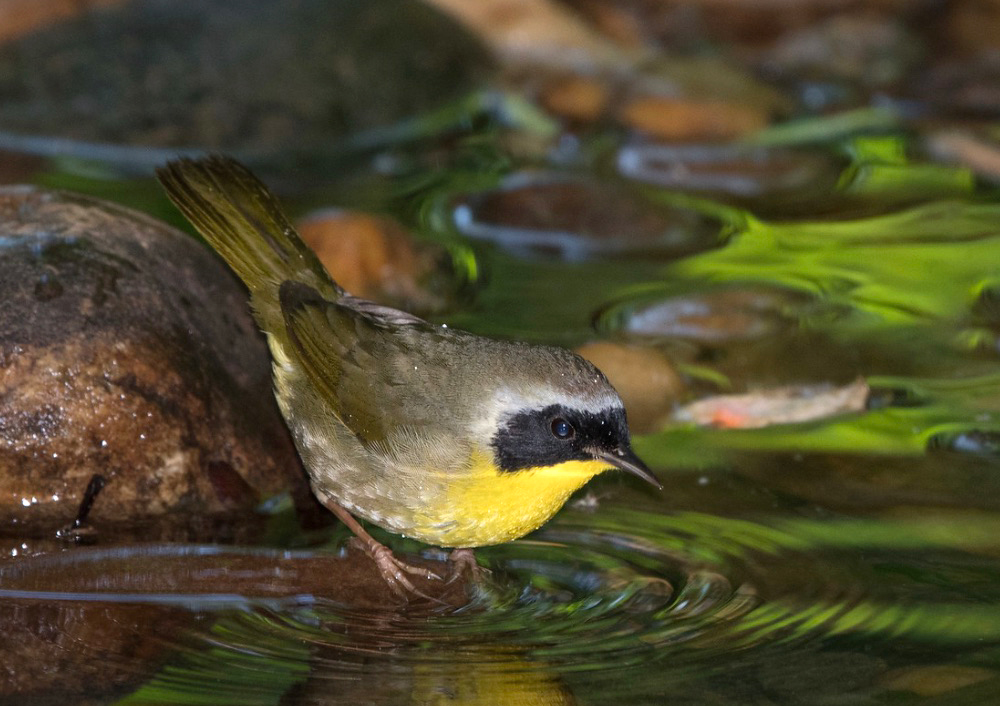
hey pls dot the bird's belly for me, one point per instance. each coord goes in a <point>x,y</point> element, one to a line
<point>339,468</point>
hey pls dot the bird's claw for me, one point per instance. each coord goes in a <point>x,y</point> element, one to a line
<point>394,571</point>
<point>462,561</point>
<point>389,565</point>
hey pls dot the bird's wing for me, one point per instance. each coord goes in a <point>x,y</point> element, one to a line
<point>359,356</point>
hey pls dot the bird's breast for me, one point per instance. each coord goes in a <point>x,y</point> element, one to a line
<point>483,505</point>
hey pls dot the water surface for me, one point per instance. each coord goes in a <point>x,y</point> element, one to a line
<point>849,560</point>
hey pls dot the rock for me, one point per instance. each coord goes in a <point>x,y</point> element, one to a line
<point>972,27</point>
<point>979,153</point>
<point>767,180</point>
<point>615,21</point>
<point>126,350</point>
<point>18,17</point>
<point>712,317</point>
<point>579,98</point>
<point>686,120</point>
<point>975,442</point>
<point>17,168</point>
<point>541,31</point>
<point>854,50</point>
<point>196,74</point>
<point>689,24</point>
<point>645,379</point>
<point>964,87</point>
<point>579,218</point>
<point>374,257</point>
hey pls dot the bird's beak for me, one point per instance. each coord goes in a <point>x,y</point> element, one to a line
<point>625,459</point>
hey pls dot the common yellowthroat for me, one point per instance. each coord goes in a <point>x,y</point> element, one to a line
<point>430,432</point>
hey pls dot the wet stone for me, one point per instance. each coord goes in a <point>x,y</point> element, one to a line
<point>972,28</point>
<point>576,219</point>
<point>689,24</point>
<point>978,152</point>
<point>967,87</point>
<point>974,441</point>
<point>193,74</point>
<point>19,17</point>
<point>710,317</point>
<point>764,179</point>
<point>532,32</point>
<point>577,98</point>
<point>374,257</point>
<point>854,51</point>
<point>17,168</point>
<point>687,119</point>
<point>646,380</point>
<point>126,350</point>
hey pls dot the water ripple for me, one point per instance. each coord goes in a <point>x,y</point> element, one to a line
<point>590,597</point>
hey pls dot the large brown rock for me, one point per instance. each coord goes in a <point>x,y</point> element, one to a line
<point>262,78</point>
<point>126,350</point>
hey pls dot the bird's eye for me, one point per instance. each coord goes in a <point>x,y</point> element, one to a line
<point>561,429</point>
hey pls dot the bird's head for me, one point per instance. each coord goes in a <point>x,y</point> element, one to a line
<point>569,418</point>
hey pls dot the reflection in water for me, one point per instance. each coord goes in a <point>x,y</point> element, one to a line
<point>624,602</point>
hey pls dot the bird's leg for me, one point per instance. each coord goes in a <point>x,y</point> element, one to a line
<point>464,560</point>
<point>392,569</point>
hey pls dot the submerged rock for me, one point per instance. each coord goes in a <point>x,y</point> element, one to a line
<point>710,317</point>
<point>670,118</point>
<point>646,380</point>
<point>766,180</point>
<point>18,17</point>
<point>228,74</point>
<point>578,218</point>
<point>126,350</point>
<point>375,257</point>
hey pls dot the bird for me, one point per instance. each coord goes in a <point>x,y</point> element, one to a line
<point>441,435</point>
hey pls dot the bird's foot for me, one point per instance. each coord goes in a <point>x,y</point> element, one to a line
<point>393,570</point>
<point>464,561</point>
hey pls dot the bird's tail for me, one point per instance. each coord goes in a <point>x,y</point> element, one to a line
<point>244,223</point>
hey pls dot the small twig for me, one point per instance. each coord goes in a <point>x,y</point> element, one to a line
<point>77,531</point>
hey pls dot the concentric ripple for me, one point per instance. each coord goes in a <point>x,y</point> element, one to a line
<point>590,601</point>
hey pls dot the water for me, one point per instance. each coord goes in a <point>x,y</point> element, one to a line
<point>850,560</point>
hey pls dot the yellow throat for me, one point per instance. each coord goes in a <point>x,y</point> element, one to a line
<point>488,506</point>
